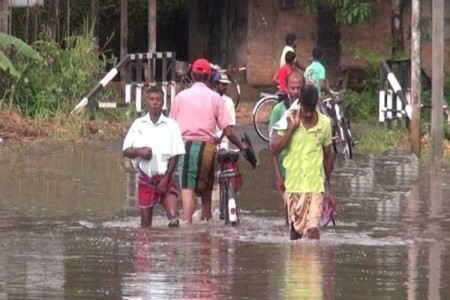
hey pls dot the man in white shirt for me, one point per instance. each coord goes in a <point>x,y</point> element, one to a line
<point>154,143</point>
<point>291,45</point>
<point>220,83</point>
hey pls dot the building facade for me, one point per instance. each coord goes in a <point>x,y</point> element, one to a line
<point>251,33</point>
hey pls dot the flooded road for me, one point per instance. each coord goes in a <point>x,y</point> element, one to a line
<point>69,228</point>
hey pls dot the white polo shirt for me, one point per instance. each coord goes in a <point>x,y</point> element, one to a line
<point>230,107</point>
<point>163,137</point>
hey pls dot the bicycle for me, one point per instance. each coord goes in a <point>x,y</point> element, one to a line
<point>182,70</point>
<point>333,108</point>
<point>262,111</point>
<point>230,181</point>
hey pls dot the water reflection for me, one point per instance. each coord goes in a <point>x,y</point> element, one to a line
<point>304,272</point>
<point>52,180</point>
<point>434,231</point>
<point>69,228</point>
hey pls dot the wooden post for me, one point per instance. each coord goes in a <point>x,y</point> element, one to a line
<point>151,25</point>
<point>123,32</point>
<point>437,93</point>
<point>52,19</point>
<point>416,87</point>
<point>4,11</point>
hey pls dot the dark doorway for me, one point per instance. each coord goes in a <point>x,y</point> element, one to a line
<point>329,38</point>
<point>219,30</point>
<point>228,20</point>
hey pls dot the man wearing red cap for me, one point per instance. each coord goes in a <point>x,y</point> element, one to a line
<point>199,111</point>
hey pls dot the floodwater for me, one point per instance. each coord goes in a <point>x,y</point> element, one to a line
<point>69,228</point>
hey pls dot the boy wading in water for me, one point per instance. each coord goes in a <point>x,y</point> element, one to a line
<point>154,143</point>
<point>308,164</point>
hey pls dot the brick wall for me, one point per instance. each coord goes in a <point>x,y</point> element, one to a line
<point>267,27</point>
<point>260,41</point>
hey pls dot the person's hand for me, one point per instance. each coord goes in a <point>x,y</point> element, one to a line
<point>279,183</point>
<point>145,152</point>
<point>294,120</point>
<point>162,186</point>
<point>244,146</point>
<point>333,201</point>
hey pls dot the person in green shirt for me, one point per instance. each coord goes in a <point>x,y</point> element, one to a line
<point>308,163</point>
<point>294,86</point>
<point>315,72</point>
<point>295,83</point>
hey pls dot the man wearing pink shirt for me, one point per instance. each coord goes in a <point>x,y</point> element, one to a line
<point>199,111</point>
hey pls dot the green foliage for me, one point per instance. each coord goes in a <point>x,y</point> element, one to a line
<point>6,65</point>
<point>12,46</point>
<point>52,86</point>
<point>361,107</point>
<point>372,60</point>
<point>172,21</point>
<point>348,12</point>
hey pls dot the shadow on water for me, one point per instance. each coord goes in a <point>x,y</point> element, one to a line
<point>69,228</point>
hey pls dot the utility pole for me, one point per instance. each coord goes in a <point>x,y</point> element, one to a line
<point>437,77</point>
<point>416,87</point>
<point>4,16</point>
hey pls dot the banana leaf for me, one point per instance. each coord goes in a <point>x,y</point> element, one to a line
<point>6,65</point>
<point>21,46</point>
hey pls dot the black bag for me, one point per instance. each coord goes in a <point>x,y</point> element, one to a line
<point>249,153</point>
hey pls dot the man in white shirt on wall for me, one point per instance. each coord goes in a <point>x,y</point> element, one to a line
<point>154,143</point>
<point>291,45</point>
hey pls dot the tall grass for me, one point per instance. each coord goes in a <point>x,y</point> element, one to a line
<point>374,139</point>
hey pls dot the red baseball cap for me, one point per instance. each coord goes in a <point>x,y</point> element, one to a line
<point>201,65</point>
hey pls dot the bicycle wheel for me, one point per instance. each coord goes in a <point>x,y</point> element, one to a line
<point>222,199</point>
<point>346,139</point>
<point>234,91</point>
<point>261,117</point>
<point>335,135</point>
<point>233,210</point>
<point>185,83</point>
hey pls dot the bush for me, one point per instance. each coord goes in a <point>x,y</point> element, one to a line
<point>361,107</point>
<point>54,85</point>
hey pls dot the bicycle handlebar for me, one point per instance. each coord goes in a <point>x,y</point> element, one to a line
<point>231,70</point>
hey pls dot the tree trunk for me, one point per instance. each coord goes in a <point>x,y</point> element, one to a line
<point>4,13</point>
<point>397,25</point>
<point>123,28</point>
<point>52,19</point>
<point>151,25</point>
<point>94,15</point>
